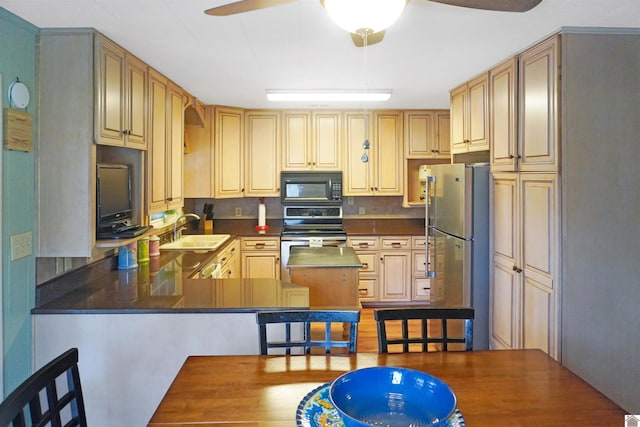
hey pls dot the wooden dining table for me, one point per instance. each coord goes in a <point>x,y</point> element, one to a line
<point>493,388</point>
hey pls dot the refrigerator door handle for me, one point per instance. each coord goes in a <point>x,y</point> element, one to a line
<point>430,239</point>
<point>428,272</point>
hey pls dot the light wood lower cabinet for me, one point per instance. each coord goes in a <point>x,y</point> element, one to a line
<point>393,268</point>
<point>420,284</point>
<point>525,241</point>
<point>366,248</point>
<point>230,260</point>
<point>260,257</point>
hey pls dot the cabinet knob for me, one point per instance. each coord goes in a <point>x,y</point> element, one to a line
<point>365,265</point>
<point>511,156</point>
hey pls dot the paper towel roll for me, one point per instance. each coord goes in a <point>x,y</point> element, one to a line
<point>262,214</point>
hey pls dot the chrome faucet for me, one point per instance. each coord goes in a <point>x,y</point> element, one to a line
<point>177,232</point>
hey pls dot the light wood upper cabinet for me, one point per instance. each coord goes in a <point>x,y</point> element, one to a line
<point>121,113</point>
<point>296,140</point>
<point>443,134</point>
<point>175,147</point>
<point>229,152</point>
<point>381,173</point>
<point>311,140</point>
<point>165,154</point>
<point>358,174</point>
<point>538,106</point>
<point>419,133</point>
<point>502,116</point>
<point>469,116</point>
<point>426,134</point>
<point>326,140</point>
<point>156,156</point>
<point>262,151</point>
<point>388,154</point>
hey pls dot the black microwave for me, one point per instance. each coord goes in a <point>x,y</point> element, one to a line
<point>311,188</point>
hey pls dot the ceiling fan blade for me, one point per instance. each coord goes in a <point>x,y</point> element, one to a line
<point>244,6</point>
<point>499,5</point>
<point>372,38</point>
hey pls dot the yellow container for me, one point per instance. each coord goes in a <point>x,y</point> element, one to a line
<point>143,249</point>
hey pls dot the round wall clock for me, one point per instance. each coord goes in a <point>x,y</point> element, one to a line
<point>18,95</point>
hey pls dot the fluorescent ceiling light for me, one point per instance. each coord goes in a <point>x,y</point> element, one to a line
<point>328,95</point>
<point>364,16</point>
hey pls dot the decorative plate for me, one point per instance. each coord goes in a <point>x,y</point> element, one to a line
<point>316,410</point>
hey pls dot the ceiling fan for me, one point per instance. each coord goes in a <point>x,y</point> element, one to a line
<point>369,38</point>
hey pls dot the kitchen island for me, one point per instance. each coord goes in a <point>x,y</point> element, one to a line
<point>330,273</point>
<point>134,329</point>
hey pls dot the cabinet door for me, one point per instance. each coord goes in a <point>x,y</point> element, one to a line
<point>256,265</point>
<point>419,134</point>
<point>505,282</point>
<point>478,113</point>
<point>156,156</point>
<point>111,97</point>
<point>358,170</point>
<point>538,110</point>
<point>296,140</point>
<point>442,141</point>
<point>459,119</point>
<point>539,265</point>
<point>389,149</point>
<point>175,148</point>
<point>502,117</point>
<point>262,151</point>
<point>326,147</point>
<point>136,103</point>
<point>228,147</point>
<point>395,275</point>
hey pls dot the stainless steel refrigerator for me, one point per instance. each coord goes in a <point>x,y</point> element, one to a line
<point>458,234</point>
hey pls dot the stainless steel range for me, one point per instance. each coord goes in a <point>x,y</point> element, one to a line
<point>310,226</point>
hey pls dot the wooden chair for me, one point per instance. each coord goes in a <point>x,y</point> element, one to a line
<point>40,392</point>
<point>306,318</point>
<point>427,336</point>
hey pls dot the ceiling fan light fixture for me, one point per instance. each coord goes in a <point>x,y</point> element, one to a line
<point>286,95</point>
<point>364,16</point>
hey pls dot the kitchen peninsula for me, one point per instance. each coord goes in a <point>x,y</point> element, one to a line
<point>134,328</point>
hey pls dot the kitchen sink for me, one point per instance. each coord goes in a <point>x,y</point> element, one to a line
<point>197,242</point>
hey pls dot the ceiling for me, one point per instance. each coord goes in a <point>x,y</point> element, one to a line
<point>232,60</point>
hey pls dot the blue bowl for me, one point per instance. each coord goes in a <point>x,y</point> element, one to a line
<point>389,396</point>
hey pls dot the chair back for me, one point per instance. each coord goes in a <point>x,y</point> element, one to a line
<point>307,318</point>
<point>428,335</point>
<point>39,393</point>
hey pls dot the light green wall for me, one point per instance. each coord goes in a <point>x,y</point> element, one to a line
<point>17,59</point>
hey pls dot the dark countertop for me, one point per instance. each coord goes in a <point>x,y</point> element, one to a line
<point>323,257</point>
<point>163,286</point>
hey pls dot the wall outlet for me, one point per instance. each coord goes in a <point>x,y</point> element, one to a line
<point>238,212</point>
<point>361,210</point>
<point>350,200</point>
<point>21,245</point>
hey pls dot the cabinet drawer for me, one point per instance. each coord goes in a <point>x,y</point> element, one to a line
<point>401,242</point>
<point>418,242</point>
<point>363,242</point>
<point>369,261</point>
<point>257,243</point>
<point>367,287</point>
<point>421,289</point>
<point>419,264</point>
